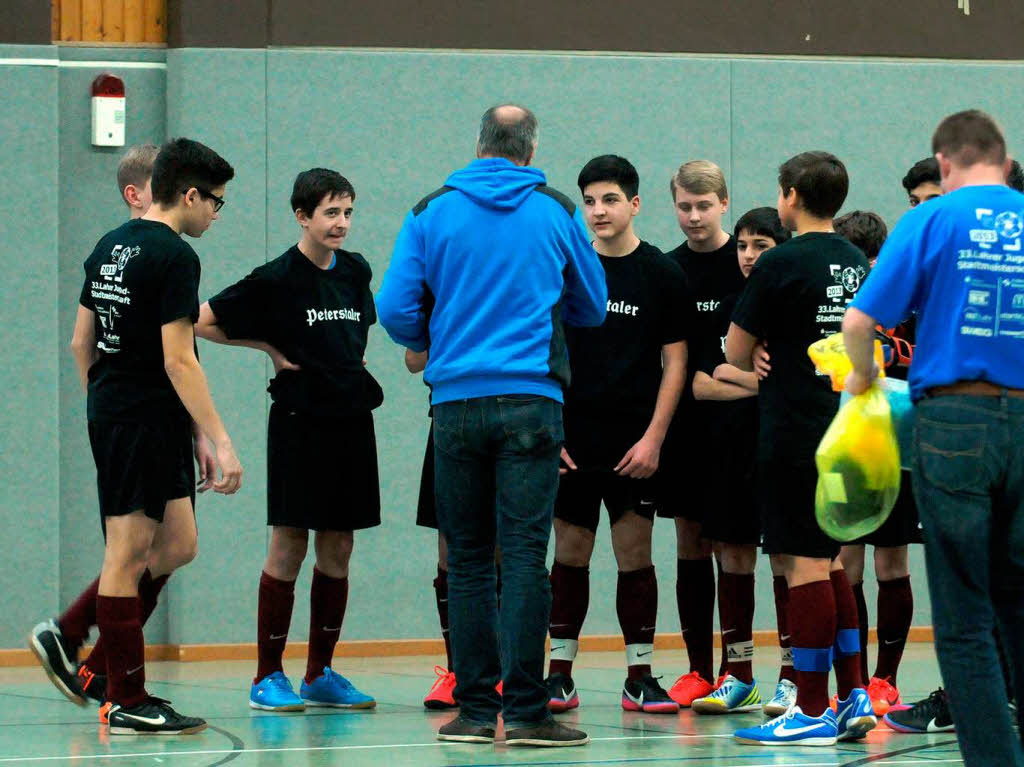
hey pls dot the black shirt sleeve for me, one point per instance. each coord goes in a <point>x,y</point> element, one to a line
<point>679,311</point>
<point>758,300</point>
<point>242,309</point>
<point>179,289</point>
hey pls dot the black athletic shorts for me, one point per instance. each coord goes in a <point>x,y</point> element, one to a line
<point>734,514</point>
<point>142,465</point>
<point>426,508</point>
<point>902,527</point>
<point>787,488</point>
<point>321,471</point>
<point>682,488</point>
<point>581,492</point>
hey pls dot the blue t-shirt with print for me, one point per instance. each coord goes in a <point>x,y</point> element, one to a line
<point>957,262</point>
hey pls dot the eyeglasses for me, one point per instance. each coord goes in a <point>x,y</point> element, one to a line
<point>218,202</point>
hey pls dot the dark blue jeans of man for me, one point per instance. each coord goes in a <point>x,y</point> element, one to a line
<point>496,478</point>
<point>969,486</point>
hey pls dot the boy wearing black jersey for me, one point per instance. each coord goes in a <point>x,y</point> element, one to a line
<point>731,397</point>
<point>135,351</point>
<point>708,259</point>
<point>796,295</point>
<point>310,310</point>
<point>627,376</point>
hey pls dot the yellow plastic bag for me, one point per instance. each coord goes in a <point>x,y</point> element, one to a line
<point>858,459</point>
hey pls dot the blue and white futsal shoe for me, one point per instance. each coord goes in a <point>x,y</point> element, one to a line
<point>855,716</point>
<point>783,699</point>
<point>275,693</point>
<point>794,728</point>
<point>332,689</point>
<point>732,696</point>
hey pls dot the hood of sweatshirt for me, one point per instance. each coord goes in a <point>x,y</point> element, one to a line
<point>496,183</point>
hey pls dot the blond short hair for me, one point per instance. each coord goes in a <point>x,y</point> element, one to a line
<point>700,177</point>
<point>136,167</point>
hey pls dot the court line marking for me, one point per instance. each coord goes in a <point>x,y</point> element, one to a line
<point>83,64</point>
<point>292,749</point>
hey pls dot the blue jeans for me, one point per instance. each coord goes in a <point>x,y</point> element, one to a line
<point>969,486</point>
<point>496,477</point>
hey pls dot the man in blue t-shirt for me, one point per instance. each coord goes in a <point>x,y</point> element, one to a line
<point>958,263</point>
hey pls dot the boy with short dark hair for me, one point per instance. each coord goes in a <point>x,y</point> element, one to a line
<point>140,288</point>
<point>865,229</point>
<point>730,396</point>
<point>626,379</point>
<point>795,296</point>
<point>923,181</point>
<point>134,179</point>
<point>708,259</point>
<point>310,310</point>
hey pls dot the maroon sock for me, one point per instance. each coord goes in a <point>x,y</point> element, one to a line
<point>862,622</point>
<point>121,629</point>
<point>149,592</point>
<point>736,595</point>
<point>695,597</point>
<point>847,647</point>
<point>80,617</point>
<point>441,596</point>
<point>274,617</point>
<point>328,598</point>
<point>636,602</point>
<point>895,614</point>
<point>570,599</point>
<point>781,589</point>
<point>723,662</point>
<point>812,623</point>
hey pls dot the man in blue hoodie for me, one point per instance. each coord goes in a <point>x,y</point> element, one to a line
<point>504,261</point>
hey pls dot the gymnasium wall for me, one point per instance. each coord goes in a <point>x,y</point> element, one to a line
<point>396,123</point>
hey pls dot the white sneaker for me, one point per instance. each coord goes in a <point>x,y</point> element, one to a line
<point>782,700</point>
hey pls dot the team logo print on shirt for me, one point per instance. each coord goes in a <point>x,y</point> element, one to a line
<point>326,315</point>
<point>849,278</point>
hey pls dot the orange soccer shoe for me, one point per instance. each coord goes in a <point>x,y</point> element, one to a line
<point>689,687</point>
<point>884,695</point>
<point>442,694</point>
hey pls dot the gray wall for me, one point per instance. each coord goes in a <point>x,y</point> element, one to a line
<point>396,123</point>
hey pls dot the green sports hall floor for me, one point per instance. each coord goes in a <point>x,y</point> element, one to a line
<point>40,727</point>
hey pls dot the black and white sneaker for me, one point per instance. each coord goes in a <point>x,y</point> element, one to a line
<point>645,694</point>
<point>562,695</point>
<point>57,659</point>
<point>154,716</point>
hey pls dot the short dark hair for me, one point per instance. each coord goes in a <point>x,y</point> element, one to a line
<point>613,169</point>
<point>1016,178</point>
<point>970,137</point>
<point>514,139</point>
<point>136,167</point>
<point>182,164</point>
<point>924,171</point>
<point>762,221</point>
<point>311,186</point>
<point>819,179</point>
<point>864,229</point>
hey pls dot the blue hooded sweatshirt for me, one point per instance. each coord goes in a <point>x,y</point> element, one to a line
<point>484,272</point>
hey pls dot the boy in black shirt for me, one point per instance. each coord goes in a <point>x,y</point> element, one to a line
<point>135,351</point>
<point>708,259</point>
<point>730,395</point>
<point>627,376</point>
<point>796,295</point>
<point>310,310</point>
